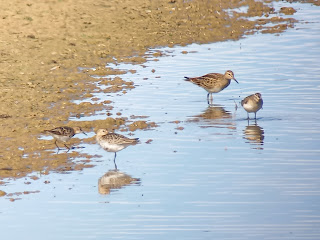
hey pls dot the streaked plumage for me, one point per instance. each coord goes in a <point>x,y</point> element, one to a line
<point>113,142</point>
<point>252,103</point>
<point>64,134</point>
<point>213,82</point>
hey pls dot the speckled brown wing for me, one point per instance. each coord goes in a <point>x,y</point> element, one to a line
<point>213,76</point>
<point>245,100</point>
<point>206,81</point>
<point>62,131</point>
<point>115,138</point>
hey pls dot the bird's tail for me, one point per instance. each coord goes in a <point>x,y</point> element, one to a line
<point>132,141</point>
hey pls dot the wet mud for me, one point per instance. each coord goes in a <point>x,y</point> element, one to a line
<point>54,52</point>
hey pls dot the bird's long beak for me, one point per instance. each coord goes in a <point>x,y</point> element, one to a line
<point>235,80</point>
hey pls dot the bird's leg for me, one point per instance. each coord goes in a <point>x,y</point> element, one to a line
<point>248,116</point>
<point>115,166</point>
<point>255,116</point>
<point>57,145</point>
<point>208,98</point>
<point>114,161</point>
<point>67,146</point>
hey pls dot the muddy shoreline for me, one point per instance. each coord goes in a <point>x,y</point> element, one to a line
<point>43,44</point>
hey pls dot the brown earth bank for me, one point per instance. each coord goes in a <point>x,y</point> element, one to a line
<point>43,44</point>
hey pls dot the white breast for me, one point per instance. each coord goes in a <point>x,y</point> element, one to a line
<point>249,108</point>
<point>111,147</point>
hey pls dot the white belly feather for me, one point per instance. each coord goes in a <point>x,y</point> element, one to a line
<point>111,147</point>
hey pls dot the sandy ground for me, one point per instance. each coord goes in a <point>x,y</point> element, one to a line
<point>42,44</point>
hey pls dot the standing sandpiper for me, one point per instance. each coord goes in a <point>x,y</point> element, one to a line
<point>252,103</point>
<point>213,82</point>
<point>64,134</point>
<point>113,142</point>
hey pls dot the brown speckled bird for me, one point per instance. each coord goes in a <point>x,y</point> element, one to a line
<point>213,82</point>
<point>64,134</point>
<point>252,103</point>
<point>113,142</point>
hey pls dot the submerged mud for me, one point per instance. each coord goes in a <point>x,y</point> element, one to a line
<point>55,51</point>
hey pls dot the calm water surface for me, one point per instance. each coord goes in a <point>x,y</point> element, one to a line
<point>208,173</point>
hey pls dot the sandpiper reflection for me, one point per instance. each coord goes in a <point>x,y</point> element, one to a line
<point>255,135</point>
<point>214,115</point>
<point>114,179</point>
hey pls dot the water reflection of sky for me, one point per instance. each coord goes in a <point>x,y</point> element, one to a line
<point>216,177</point>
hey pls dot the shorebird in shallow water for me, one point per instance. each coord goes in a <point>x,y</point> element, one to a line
<point>64,134</point>
<point>252,103</point>
<point>213,82</point>
<point>113,142</point>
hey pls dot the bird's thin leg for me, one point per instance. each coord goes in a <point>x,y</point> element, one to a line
<point>114,161</point>
<point>56,144</point>
<point>115,166</point>
<point>67,146</point>
<point>208,98</point>
<point>248,116</point>
<point>255,116</point>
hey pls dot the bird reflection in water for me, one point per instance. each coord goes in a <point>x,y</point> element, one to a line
<point>214,115</point>
<point>115,179</point>
<point>255,135</point>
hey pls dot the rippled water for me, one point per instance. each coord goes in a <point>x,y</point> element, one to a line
<point>208,173</point>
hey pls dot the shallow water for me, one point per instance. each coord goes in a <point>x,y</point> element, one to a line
<point>208,173</point>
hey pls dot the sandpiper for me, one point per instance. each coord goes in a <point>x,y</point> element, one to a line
<point>64,134</point>
<point>252,103</point>
<point>213,82</point>
<point>113,142</point>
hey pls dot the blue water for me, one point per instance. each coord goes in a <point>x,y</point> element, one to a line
<point>208,173</point>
